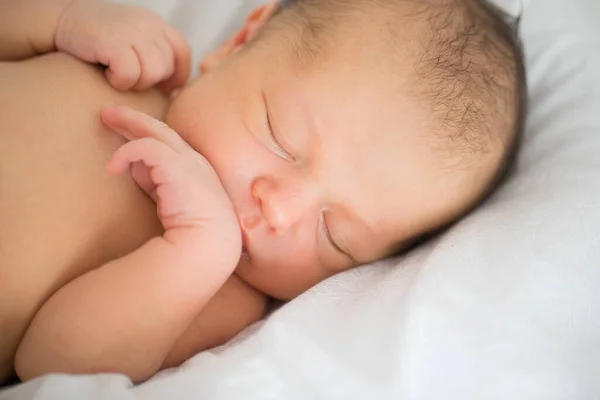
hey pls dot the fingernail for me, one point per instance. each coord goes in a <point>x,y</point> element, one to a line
<point>158,124</point>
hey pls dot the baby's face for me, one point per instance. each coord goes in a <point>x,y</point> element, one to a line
<point>326,170</point>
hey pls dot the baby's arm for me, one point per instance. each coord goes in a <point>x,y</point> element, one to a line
<point>127,315</point>
<point>233,308</point>
<point>136,45</point>
<point>28,27</point>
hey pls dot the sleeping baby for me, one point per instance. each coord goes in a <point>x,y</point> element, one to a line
<point>141,225</point>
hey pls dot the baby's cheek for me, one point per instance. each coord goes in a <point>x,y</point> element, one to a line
<point>283,275</point>
<point>298,246</point>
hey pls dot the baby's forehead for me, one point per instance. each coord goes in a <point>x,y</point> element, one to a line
<point>314,30</point>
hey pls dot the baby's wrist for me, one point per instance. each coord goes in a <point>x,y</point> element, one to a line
<point>202,248</point>
<point>45,20</point>
<point>62,29</point>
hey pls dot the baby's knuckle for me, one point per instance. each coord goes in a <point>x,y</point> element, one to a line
<point>169,69</point>
<point>152,142</point>
<point>145,144</point>
<point>152,74</point>
<point>149,21</point>
<point>129,75</point>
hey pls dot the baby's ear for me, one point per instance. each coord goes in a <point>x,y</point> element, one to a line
<point>257,19</point>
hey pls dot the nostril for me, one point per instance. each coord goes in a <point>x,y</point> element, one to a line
<point>250,222</point>
<point>261,187</point>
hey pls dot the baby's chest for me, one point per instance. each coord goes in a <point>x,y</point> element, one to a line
<point>60,210</point>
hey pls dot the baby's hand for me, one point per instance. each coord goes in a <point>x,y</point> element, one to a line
<point>136,45</point>
<point>190,197</point>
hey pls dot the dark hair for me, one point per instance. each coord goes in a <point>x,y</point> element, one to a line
<point>507,30</point>
<point>468,61</point>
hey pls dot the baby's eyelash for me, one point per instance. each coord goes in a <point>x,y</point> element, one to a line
<point>281,150</point>
<point>327,234</point>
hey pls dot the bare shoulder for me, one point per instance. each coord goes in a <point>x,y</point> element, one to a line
<point>64,78</point>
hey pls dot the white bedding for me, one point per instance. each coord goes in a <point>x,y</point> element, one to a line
<point>506,305</point>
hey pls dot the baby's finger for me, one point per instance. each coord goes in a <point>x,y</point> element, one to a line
<point>153,153</point>
<point>182,60</point>
<point>141,175</point>
<point>133,125</point>
<point>168,56</point>
<point>154,66</point>
<point>123,68</point>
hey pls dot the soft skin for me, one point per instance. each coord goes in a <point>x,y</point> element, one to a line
<point>289,176</point>
<point>64,215</point>
<point>327,168</point>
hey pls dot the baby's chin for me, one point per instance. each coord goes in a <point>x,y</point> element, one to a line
<point>254,275</point>
<point>247,272</point>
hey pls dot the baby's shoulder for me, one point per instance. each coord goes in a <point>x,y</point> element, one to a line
<point>72,82</point>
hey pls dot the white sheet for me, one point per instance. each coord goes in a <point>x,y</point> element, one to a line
<point>504,306</point>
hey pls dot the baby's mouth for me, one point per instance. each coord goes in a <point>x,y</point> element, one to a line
<point>245,255</point>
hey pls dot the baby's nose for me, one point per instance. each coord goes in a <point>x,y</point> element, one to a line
<point>249,222</point>
<point>281,206</point>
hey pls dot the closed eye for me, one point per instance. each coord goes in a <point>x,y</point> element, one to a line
<point>278,149</point>
<point>329,237</point>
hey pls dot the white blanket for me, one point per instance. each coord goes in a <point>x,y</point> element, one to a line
<point>506,305</point>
